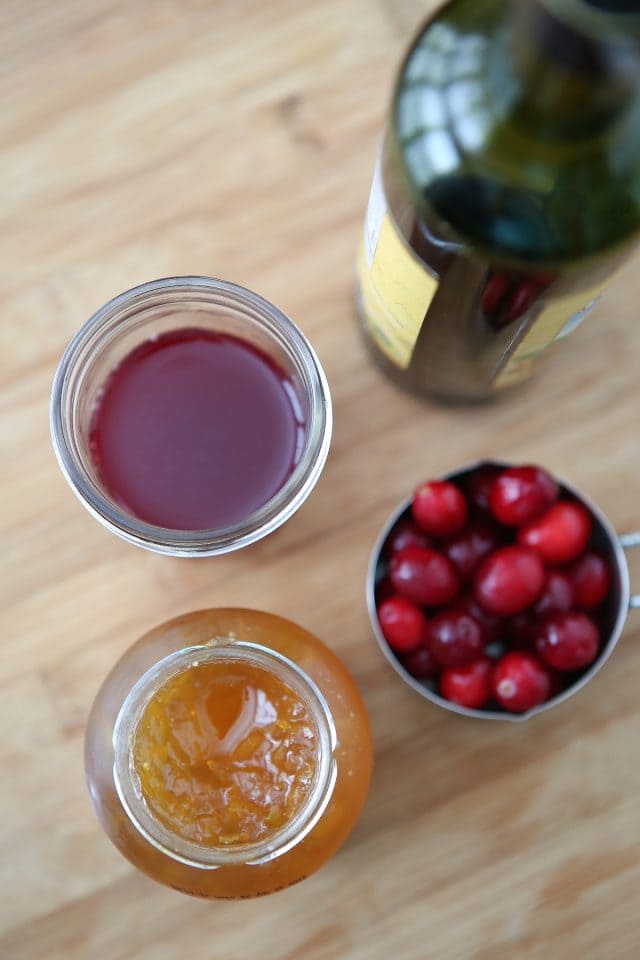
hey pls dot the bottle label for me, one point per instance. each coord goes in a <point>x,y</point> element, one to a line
<point>395,286</point>
<point>555,321</point>
<point>376,210</point>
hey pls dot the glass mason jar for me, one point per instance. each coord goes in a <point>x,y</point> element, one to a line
<point>142,314</point>
<point>122,758</point>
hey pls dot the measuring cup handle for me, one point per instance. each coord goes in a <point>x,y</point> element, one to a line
<point>628,541</point>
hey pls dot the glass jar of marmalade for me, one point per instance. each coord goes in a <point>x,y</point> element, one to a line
<point>228,753</point>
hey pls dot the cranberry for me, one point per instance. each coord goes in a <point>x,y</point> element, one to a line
<point>491,625</point>
<point>567,641</point>
<point>556,684</point>
<point>522,298</point>
<point>403,624</point>
<point>384,590</point>
<point>560,534</point>
<point>479,485</point>
<point>520,631</point>
<point>468,685</point>
<point>405,534</point>
<point>520,494</point>
<point>439,508</point>
<point>455,638</point>
<point>494,290</point>
<point>421,664</point>
<point>520,682</point>
<point>424,576</point>
<point>591,578</point>
<point>557,596</point>
<point>467,549</point>
<point>509,580</point>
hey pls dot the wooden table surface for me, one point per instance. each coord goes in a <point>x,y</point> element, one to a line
<point>236,138</point>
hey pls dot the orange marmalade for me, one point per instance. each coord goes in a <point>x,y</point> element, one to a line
<point>228,753</point>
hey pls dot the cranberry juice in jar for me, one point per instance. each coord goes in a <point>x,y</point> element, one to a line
<point>228,753</point>
<point>190,416</point>
<point>196,429</point>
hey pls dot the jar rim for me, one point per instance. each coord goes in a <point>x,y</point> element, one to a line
<point>189,852</point>
<point>94,336</point>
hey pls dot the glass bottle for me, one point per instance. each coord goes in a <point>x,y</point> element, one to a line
<point>507,189</point>
<point>175,764</point>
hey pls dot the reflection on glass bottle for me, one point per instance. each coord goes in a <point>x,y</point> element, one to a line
<point>507,189</point>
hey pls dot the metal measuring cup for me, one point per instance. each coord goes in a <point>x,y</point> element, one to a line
<point>619,601</point>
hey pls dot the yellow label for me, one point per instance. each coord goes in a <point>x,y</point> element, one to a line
<point>396,290</point>
<point>554,321</point>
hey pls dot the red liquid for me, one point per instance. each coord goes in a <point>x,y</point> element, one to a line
<point>195,430</point>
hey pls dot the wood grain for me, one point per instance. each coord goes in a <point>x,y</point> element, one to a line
<point>236,138</point>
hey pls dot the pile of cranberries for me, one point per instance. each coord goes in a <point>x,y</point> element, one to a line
<point>489,590</point>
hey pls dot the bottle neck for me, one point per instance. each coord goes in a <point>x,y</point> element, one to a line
<point>575,68</point>
<point>127,782</point>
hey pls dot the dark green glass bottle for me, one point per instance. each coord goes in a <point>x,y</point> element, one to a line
<point>507,190</point>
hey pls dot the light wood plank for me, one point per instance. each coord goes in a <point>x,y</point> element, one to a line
<point>236,138</point>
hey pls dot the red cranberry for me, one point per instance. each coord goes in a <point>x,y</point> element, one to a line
<point>520,682</point>
<point>520,494</point>
<point>567,641</point>
<point>403,624</point>
<point>509,580</point>
<point>491,624</point>
<point>591,579</point>
<point>520,631</point>
<point>557,596</point>
<point>439,508</point>
<point>468,685</point>
<point>495,288</point>
<point>479,485</point>
<point>522,298</point>
<point>556,684</point>
<point>467,549</point>
<point>455,638</point>
<point>424,576</point>
<point>405,534</point>
<point>384,590</point>
<point>421,664</point>
<point>560,534</point>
